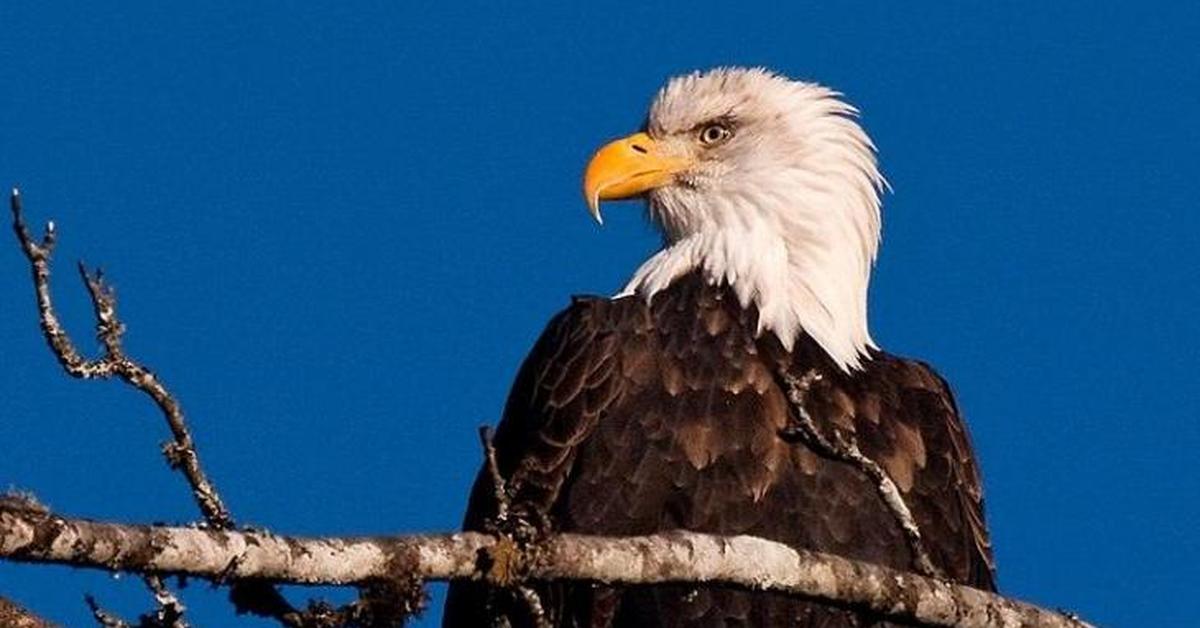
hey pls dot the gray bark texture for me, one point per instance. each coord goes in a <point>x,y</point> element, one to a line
<point>12,615</point>
<point>752,563</point>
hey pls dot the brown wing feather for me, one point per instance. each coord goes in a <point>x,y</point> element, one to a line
<point>938,407</point>
<point>928,453</point>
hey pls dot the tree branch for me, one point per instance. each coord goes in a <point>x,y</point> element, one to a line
<point>103,618</point>
<point>14,615</point>
<point>168,612</point>
<point>673,557</point>
<point>181,453</point>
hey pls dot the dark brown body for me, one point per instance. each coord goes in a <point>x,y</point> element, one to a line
<point>628,418</point>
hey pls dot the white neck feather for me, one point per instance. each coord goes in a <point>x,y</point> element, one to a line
<point>797,242</point>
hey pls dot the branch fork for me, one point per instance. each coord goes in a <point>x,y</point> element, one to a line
<point>180,452</point>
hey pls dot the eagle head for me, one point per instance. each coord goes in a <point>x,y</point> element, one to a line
<point>762,182</point>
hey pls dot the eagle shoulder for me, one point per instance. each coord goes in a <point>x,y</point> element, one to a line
<point>914,429</point>
<point>561,388</point>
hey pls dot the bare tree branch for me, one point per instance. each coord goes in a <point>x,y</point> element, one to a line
<point>673,557</point>
<point>11,613</point>
<point>104,618</point>
<point>181,453</point>
<point>499,486</point>
<point>169,612</point>
<point>15,616</point>
<point>533,602</point>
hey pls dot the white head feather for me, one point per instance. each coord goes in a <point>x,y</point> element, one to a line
<point>786,211</point>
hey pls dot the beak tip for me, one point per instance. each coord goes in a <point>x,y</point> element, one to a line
<point>593,203</point>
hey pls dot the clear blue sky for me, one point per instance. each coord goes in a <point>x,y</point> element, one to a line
<point>336,231</point>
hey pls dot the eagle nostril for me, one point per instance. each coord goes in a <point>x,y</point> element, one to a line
<point>639,148</point>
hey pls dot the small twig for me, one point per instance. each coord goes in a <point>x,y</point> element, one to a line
<point>846,450</point>
<point>533,603</point>
<point>169,613</point>
<point>180,452</point>
<point>38,253</point>
<point>499,486</point>
<point>103,617</point>
<point>505,565</point>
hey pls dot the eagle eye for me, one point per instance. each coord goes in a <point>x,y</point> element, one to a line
<point>715,133</point>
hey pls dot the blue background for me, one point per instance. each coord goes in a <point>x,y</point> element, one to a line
<point>336,231</point>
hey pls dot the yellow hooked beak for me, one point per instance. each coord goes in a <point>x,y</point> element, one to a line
<point>626,168</point>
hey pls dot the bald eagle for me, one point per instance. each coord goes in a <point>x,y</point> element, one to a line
<point>667,406</point>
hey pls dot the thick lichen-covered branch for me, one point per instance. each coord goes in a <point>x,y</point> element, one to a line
<point>674,557</point>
